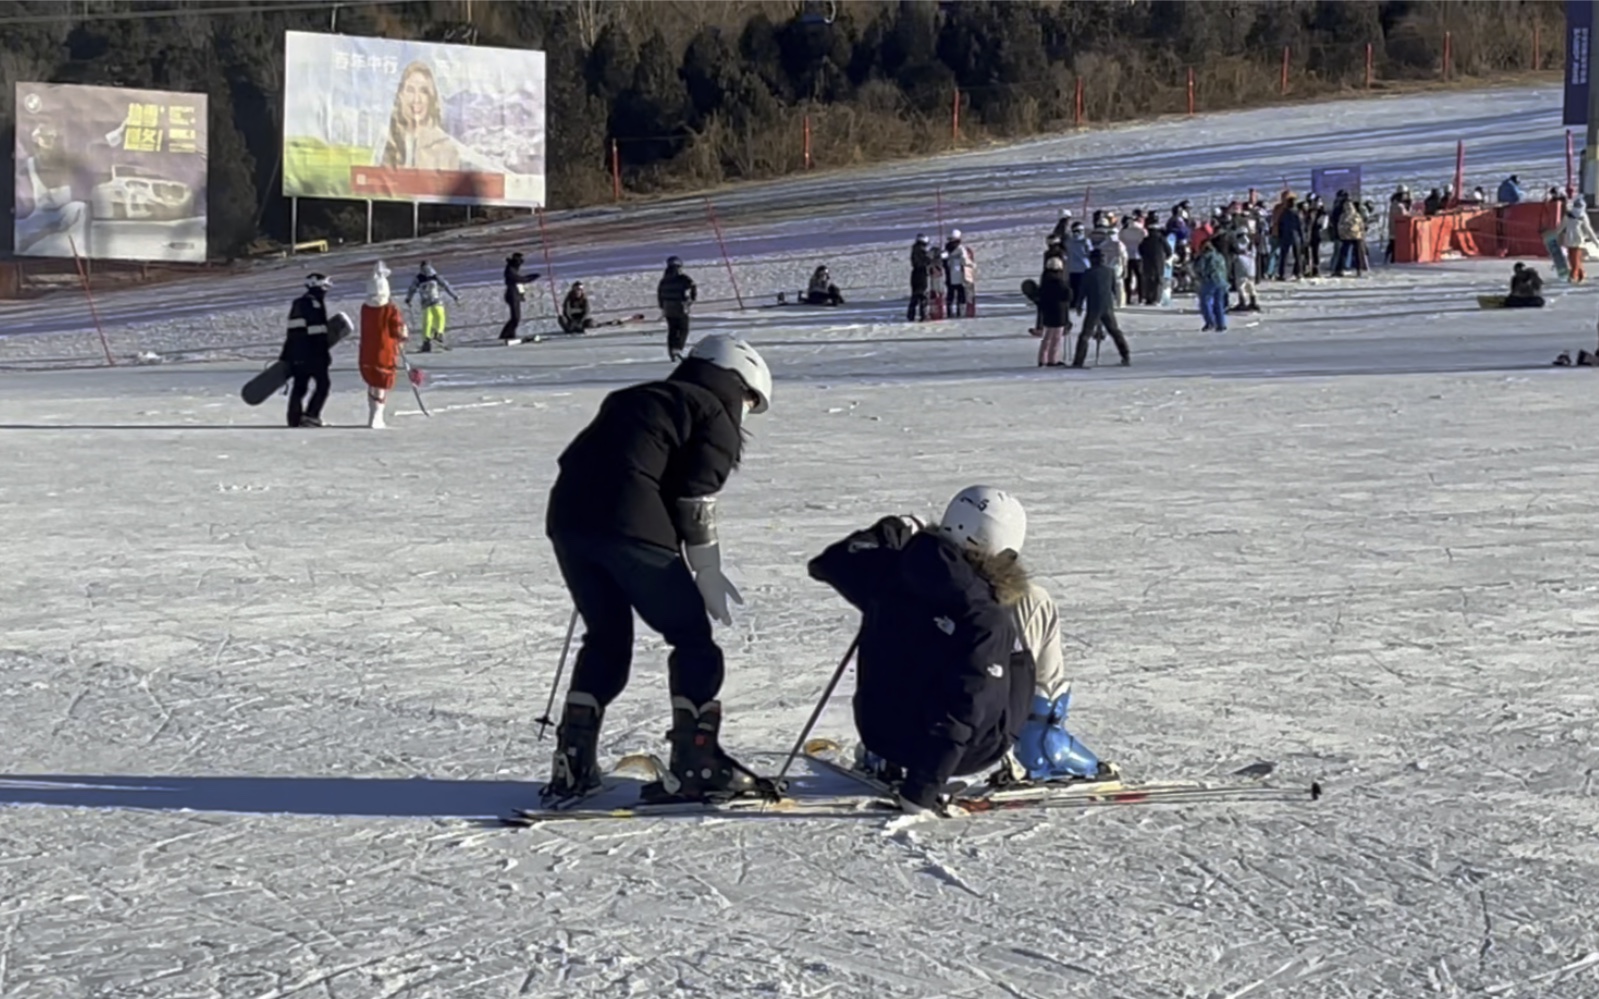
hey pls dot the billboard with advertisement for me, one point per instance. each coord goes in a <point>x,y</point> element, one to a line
<point>396,120</point>
<point>1579,43</point>
<point>110,173</point>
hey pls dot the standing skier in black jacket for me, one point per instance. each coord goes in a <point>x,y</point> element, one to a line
<point>515,291</point>
<point>675,295</point>
<point>941,688</point>
<point>307,352</point>
<point>632,518</point>
<point>921,268</point>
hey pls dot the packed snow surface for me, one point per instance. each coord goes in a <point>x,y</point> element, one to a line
<point>260,685</point>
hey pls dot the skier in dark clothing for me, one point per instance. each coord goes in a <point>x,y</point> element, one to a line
<point>574,316</point>
<point>1054,312</point>
<point>1318,233</point>
<point>822,290</point>
<point>632,518</point>
<point>1291,240</point>
<point>515,291</point>
<point>676,294</point>
<point>921,268</point>
<point>1153,252</point>
<point>1099,312</point>
<point>941,688</point>
<point>1526,289</point>
<point>307,352</point>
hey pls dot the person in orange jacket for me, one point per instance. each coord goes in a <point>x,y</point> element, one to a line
<point>382,332</point>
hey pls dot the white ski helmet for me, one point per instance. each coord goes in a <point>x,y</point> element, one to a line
<point>377,286</point>
<point>726,351</point>
<point>954,234</point>
<point>985,518</point>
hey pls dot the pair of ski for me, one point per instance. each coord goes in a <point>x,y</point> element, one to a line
<point>875,800</point>
<point>637,317</point>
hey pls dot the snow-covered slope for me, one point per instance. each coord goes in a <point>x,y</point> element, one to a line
<point>258,684</point>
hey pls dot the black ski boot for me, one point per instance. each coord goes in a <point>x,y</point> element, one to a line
<point>576,770</point>
<point>700,770</point>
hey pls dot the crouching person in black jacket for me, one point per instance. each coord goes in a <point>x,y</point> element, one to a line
<point>943,683</point>
<point>632,518</point>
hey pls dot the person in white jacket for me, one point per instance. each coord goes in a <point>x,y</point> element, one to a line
<point>1132,234</point>
<point>1576,235</point>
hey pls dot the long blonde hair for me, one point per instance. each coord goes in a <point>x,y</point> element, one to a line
<point>394,151</point>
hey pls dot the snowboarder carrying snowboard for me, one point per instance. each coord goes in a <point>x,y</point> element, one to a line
<point>306,351</point>
<point>676,294</point>
<point>632,519</point>
<point>951,644</point>
<point>382,332</point>
<point>432,288</point>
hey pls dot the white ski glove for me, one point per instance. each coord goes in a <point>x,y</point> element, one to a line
<point>705,561</point>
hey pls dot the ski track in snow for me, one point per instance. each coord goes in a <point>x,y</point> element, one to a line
<point>261,687</point>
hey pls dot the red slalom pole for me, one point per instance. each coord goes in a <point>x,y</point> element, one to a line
<point>83,275</point>
<point>1079,104</point>
<point>1368,65</point>
<point>955,119</point>
<point>549,267</point>
<point>807,126</point>
<point>1190,91</point>
<point>1285,71</point>
<point>727,260</point>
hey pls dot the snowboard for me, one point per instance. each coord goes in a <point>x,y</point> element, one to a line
<point>935,308</point>
<point>1030,289</point>
<point>1491,301</point>
<point>1557,254</point>
<point>276,375</point>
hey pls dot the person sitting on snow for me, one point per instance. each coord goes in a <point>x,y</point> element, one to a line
<point>1526,289</point>
<point>574,317</point>
<point>951,640</point>
<point>822,290</point>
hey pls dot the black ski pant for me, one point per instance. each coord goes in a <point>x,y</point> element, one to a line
<point>1315,258</point>
<point>916,311</point>
<point>1074,284</point>
<point>303,375</point>
<point>1130,281</point>
<point>676,336</point>
<point>1149,281</point>
<point>610,578</point>
<point>954,300</point>
<point>1092,322</point>
<point>1293,253</point>
<point>513,301</point>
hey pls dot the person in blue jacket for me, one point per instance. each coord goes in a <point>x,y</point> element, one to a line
<point>1510,191</point>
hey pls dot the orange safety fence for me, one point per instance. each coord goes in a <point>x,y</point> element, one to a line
<point>1497,231</point>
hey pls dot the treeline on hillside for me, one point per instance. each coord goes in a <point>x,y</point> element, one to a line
<point>701,91</point>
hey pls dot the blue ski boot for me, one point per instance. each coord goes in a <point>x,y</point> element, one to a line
<point>1047,752</point>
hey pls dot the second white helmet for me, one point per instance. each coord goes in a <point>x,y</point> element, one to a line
<point>987,519</point>
<point>735,355</point>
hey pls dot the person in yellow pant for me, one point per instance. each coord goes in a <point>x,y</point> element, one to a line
<point>431,288</point>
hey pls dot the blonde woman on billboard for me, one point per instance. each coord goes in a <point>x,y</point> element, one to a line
<point>417,139</point>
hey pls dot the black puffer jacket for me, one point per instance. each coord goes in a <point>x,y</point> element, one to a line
<point>1054,297</point>
<point>649,446</point>
<point>940,688</point>
<point>676,293</point>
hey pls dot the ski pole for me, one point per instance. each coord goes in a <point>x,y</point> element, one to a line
<point>560,667</point>
<point>827,695</point>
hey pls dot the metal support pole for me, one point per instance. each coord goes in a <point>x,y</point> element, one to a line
<point>416,220</point>
<point>294,223</point>
<point>368,221</point>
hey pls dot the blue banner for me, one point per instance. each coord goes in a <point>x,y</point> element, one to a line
<point>1579,40</point>
<point>1328,181</point>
